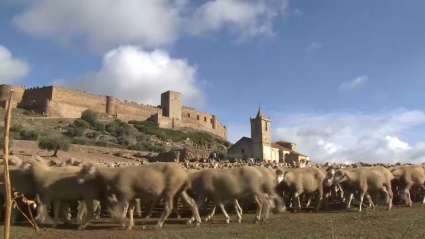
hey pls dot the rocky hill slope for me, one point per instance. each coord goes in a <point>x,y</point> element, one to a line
<point>95,130</point>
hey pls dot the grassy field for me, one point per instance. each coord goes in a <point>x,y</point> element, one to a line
<point>401,222</point>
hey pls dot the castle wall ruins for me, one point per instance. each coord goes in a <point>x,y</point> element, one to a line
<point>62,102</point>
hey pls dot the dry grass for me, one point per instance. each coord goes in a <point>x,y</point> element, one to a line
<point>401,222</point>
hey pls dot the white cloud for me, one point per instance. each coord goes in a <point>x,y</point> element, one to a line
<point>313,46</point>
<point>245,18</point>
<point>133,74</point>
<point>11,69</point>
<point>109,23</point>
<point>353,137</point>
<point>354,84</point>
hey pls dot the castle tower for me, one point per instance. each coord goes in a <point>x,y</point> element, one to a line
<point>110,105</point>
<point>261,136</point>
<point>171,104</point>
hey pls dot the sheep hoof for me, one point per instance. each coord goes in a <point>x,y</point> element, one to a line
<point>147,217</point>
<point>227,220</point>
<point>128,228</point>
<point>198,224</point>
<point>239,220</point>
<point>82,227</point>
<point>97,217</point>
<point>157,227</point>
<point>178,216</point>
<point>206,219</point>
<point>188,222</point>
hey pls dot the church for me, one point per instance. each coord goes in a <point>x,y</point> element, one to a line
<point>260,144</point>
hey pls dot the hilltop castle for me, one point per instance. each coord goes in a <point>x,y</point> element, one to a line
<point>260,144</point>
<point>66,103</point>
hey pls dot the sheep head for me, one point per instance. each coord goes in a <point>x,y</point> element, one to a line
<point>88,172</point>
<point>336,176</point>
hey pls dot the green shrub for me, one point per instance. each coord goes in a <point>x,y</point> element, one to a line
<point>54,143</point>
<point>198,137</point>
<point>119,128</point>
<point>16,128</point>
<point>100,127</point>
<point>75,132</point>
<point>141,137</point>
<point>28,135</point>
<point>79,123</point>
<point>80,140</point>
<point>101,143</point>
<point>90,117</point>
<point>123,140</point>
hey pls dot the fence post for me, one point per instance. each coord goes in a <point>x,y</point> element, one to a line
<point>8,193</point>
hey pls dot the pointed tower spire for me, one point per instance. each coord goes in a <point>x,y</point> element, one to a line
<point>260,113</point>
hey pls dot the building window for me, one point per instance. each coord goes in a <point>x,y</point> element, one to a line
<point>211,121</point>
<point>197,117</point>
<point>188,115</point>
<point>205,119</point>
<point>243,150</point>
<point>266,126</point>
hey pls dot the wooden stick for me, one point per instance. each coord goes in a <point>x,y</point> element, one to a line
<point>6,168</point>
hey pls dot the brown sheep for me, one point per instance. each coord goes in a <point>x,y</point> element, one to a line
<point>57,185</point>
<point>148,182</point>
<point>303,180</point>
<point>408,177</point>
<point>227,185</point>
<point>364,180</point>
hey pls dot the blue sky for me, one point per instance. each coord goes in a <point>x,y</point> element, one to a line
<point>342,79</point>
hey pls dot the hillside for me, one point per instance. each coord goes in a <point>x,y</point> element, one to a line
<point>96,130</point>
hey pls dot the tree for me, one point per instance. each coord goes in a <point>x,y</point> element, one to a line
<point>90,116</point>
<point>54,143</point>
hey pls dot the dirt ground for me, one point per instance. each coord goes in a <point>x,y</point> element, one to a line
<point>401,222</point>
<point>85,153</point>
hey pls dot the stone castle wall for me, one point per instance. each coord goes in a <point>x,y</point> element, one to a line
<point>67,103</point>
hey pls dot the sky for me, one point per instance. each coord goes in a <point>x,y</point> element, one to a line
<point>339,78</point>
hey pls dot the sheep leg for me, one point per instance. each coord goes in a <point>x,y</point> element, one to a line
<point>193,206</point>
<point>388,196</point>
<point>309,200</point>
<point>238,210</point>
<point>56,211</point>
<point>408,198</point>
<point>175,207</point>
<point>266,209</point>
<point>131,207</point>
<point>199,202</point>
<point>98,209</point>
<point>221,205</point>
<point>138,208</point>
<point>319,199</point>
<point>259,201</point>
<point>350,198</point>
<point>152,207</point>
<point>297,197</point>
<point>238,207</point>
<point>168,206</point>
<point>90,214</point>
<point>369,199</point>
<point>210,214</point>
<point>82,210</point>
<point>362,195</point>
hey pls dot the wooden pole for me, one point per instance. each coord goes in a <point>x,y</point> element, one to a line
<point>6,167</point>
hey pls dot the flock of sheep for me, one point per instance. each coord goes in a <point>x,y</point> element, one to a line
<point>90,188</point>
